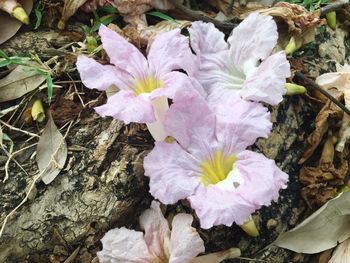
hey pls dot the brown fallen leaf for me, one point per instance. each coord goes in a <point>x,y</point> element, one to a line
<point>51,152</point>
<point>328,113</point>
<point>326,171</point>
<point>9,25</point>
<point>19,82</point>
<point>340,81</point>
<point>69,9</point>
<point>327,226</point>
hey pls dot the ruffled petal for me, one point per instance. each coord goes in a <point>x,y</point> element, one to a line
<point>216,206</point>
<point>122,245</point>
<point>206,38</point>
<point>156,229</point>
<point>172,171</point>
<point>216,72</point>
<point>253,39</point>
<point>170,51</point>
<point>97,76</point>
<point>188,118</point>
<point>177,82</point>
<point>262,179</point>
<point>186,243</point>
<point>267,83</point>
<point>123,54</point>
<point>128,107</point>
<point>246,120</point>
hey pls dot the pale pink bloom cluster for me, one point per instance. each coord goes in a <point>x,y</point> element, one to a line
<point>216,113</point>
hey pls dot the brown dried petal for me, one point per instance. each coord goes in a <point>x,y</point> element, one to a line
<point>328,112</point>
<point>317,194</point>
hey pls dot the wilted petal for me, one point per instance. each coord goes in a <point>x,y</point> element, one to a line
<point>97,76</point>
<point>267,83</point>
<point>253,39</point>
<point>262,179</point>
<point>128,107</point>
<point>247,120</point>
<point>189,117</point>
<point>170,51</point>
<point>216,206</point>
<point>122,245</point>
<point>335,79</point>
<point>156,229</point>
<point>206,38</point>
<point>123,54</point>
<point>186,243</point>
<point>172,172</point>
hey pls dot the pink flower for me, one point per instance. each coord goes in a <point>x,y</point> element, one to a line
<point>242,66</point>
<point>209,165</point>
<point>144,84</point>
<point>158,244</point>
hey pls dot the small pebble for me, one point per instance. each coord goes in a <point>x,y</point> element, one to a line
<point>271,224</point>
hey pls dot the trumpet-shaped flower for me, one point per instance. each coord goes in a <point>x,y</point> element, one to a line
<point>243,66</point>
<point>209,165</point>
<point>144,84</point>
<point>159,244</point>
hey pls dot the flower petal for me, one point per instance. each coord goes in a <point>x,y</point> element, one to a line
<point>156,229</point>
<point>188,118</point>
<point>172,172</point>
<point>334,79</point>
<point>247,120</point>
<point>262,179</point>
<point>253,39</point>
<point>121,245</point>
<point>127,107</point>
<point>97,76</point>
<point>267,83</point>
<point>123,54</point>
<point>206,38</point>
<point>216,206</point>
<point>177,82</point>
<point>170,51</point>
<point>186,243</point>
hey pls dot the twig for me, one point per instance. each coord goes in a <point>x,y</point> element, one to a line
<point>10,157</point>
<point>36,178</point>
<point>19,130</point>
<point>315,86</point>
<point>199,15</point>
<point>332,7</point>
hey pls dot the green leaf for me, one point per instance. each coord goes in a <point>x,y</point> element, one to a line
<point>4,55</point>
<point>108,10</point>
<point>4,63</point>
<point>39,16</point>
<point>161,15</point>
<point>49,87</point>
<point>5,137</point>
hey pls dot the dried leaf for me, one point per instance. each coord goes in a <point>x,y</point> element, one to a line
<point>51,152</point>
<point>328,113</point>
<point>19,82</point>
<point>328,225</point>
<point>341,253</point>
<point>9,25</point>
<point>70,8</point>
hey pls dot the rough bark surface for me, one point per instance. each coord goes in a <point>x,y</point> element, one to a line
<point>102,184</point>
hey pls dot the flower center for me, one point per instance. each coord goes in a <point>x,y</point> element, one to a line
<point>216,168</point>
<point>147,85</point>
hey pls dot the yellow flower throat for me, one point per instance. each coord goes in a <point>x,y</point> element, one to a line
<point>147,85</point>
<point>217,168</point>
